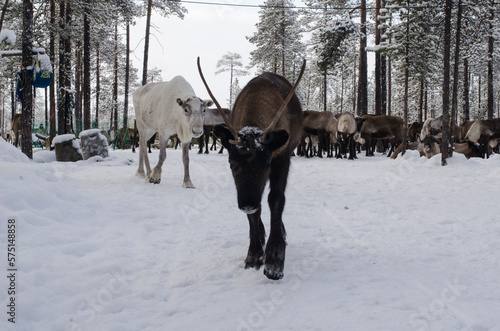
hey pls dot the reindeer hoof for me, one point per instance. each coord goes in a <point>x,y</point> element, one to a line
<point>155,181</point>
<point>273,274</point>
<point>254,261</point>
<point>188,185</point>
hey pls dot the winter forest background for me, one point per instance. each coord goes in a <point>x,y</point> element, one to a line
<point>417,47</point>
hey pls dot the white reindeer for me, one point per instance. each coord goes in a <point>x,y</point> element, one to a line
<point>168,108</point>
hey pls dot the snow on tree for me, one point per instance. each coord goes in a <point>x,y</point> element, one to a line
<point>231,62</point>
<point>278,39</point>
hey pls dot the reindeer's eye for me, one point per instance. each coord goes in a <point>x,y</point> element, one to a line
<point>186,111</point>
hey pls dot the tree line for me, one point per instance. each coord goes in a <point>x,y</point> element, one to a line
<point>89,55</point>
<point>432,57</point>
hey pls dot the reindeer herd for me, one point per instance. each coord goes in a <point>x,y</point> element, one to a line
<point>264,129</point>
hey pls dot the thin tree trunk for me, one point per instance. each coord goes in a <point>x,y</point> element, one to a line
<point>378,69</point>
<point>405,99</point>
<point>421,101</point>
<point>426,104</point>
<point>78,95</point>
<point>354,95</point>
<point>97,85</point>
<point>27,96</point>
<point>67,68</point>
<point>466,109</point>
<point>383,82</point>
<point>52,50</point>
<point>61,115</point>
<point>342,90</point>
<point>389,86</point>
<point>325,92</point>
<point>363,66</point>
<point>86,67</point>
<point>479,99</point>
<point>446,83</point>
<point>454,95</point>
<point>4,10</point>
<point>127,78</point>
<point>115,82</point>
<point>491,41</point>
<point>46,110</point>
<point>146,45</point>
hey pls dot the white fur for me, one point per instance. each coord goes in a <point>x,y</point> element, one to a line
<point>157,110</point>
<point>346,123</point>
<point>429,124</point>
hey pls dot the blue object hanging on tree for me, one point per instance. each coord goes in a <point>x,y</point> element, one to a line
<point>42,77</point>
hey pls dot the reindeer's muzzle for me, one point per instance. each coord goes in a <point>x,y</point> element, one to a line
<point>197,132</point>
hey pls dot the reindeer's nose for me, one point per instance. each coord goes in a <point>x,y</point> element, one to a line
<point>197,132</point>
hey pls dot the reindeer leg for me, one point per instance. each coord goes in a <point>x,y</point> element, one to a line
<point>274,256</point>
<point>255,254</point>
<point>185,159</point>
<point>155,177</point>
<point>142,149</point>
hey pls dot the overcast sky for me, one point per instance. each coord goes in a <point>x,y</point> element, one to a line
<point>206,31</point>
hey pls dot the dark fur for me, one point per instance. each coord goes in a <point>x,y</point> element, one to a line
<point>414,130</point>
<point>253,163</point>
<point>382,127</point>
<point>322,124</point>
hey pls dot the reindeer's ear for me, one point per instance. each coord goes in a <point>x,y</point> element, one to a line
<point>208,103</point>
<point>224,135</point>
<point>275,139</point>
<point>180,102</point>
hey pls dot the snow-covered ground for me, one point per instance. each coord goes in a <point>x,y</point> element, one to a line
<point>373,244</point>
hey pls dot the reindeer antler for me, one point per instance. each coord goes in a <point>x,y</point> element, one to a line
<point>285,102</point>
<point>229,126</point>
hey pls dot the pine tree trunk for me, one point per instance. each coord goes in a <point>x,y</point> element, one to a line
<point>389,86</point>
<point>52,51</point>
<point>127,78</point>
<point>466,106</point>
<point>4,10</point>
<point>67,69</point>
<point>146,45</point>
<point>426,104</point>
<point>421,101</point>
<point>405,99</point>
<point>363,66</point>
<point>78,95</point>
<point>454,95</point>
<point>479,98</point>
<point>491,41</point>
<point>446,83</point>
<point>27,96</point>
<point>354,89</point>
<point>378,69</point>
<point>61,115</point>
<point>325,92</point>
<point>97,85</point>
<point>383,82</point>
<point>86,67</point>
<point>115,82</point>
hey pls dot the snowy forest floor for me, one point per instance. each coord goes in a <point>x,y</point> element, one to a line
<point>373,244</point>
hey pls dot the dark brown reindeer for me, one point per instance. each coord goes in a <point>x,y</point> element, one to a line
<point>265,128</point>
